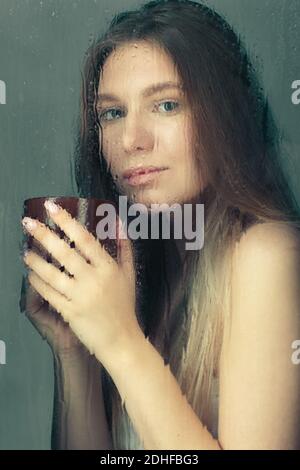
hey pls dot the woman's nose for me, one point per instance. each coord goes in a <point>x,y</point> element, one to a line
<point>136,135</point>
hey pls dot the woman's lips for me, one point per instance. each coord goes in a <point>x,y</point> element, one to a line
<point>142,175</point>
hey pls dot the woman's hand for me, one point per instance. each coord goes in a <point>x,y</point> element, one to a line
<point>48,322</point>
<point>98,299</point>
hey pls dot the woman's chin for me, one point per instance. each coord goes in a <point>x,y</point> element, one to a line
<point>148,199</point>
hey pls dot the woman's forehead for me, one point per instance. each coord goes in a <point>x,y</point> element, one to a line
<point>123,69</point>
<point>135,56</point>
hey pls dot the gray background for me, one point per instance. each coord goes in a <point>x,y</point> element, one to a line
<point>42,45</point>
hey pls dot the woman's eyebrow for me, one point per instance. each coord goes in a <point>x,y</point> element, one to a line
<point>148,91</point>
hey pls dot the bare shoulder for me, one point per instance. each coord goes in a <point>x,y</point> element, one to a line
<point>267,239</point>
<point>265,279</point>
<point>256,363</point>
<point>271,232</point>
<point>266,264</point>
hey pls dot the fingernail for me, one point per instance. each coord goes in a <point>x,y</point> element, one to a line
<point>29,223</point>
<point>51,207</point>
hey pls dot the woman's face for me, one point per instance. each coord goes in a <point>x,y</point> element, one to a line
<point>142,128</point>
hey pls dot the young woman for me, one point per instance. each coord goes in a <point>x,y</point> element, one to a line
<point>169,348</point>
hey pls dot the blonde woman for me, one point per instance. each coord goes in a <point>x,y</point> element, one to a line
<point>170,348</point>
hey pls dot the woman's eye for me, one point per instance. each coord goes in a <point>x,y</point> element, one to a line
<point>103,115</point>
<point>174,104</point>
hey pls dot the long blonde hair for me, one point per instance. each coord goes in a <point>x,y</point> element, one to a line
<point>236,145</point>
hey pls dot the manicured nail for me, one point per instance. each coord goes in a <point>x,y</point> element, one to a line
<point>51,207</point>
<point>29,223</point>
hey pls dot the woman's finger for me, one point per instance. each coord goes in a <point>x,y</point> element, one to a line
<point>84,240</point>
<point>58,301</point>
<point>50,274</point>
<point>57,247</point>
